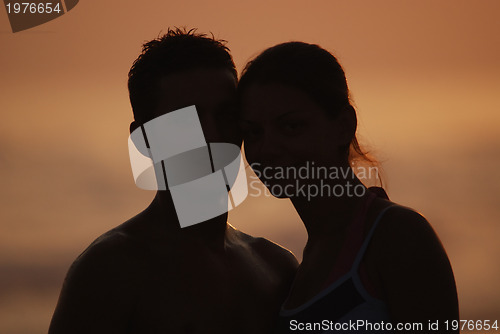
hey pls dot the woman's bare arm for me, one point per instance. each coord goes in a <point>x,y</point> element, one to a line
<point>415,271</point>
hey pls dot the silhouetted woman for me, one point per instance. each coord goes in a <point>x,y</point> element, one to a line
<point>367,260</point>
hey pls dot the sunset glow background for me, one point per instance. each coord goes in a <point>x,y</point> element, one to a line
<point>424,76</point>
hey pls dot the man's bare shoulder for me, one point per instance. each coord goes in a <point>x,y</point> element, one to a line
<point>110,256</point>
<point>111,245</point>
<point>276,255</point>
<point>100,288</point>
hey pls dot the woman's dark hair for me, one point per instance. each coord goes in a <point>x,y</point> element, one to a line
<point>309,68</point>
<point>177,50</point>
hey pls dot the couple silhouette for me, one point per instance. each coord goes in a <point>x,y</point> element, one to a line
<point>369,265</point>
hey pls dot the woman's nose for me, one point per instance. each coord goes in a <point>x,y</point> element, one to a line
<point>266,149</point>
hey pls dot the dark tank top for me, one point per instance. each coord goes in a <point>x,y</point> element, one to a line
<point>347,297</point>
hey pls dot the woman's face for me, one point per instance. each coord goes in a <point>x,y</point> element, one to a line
<point>283,128</point>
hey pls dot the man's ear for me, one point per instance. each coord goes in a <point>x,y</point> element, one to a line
<point>134,125</point>
<point>348,124</point>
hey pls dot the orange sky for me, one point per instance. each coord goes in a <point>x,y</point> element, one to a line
<point>425,77</point>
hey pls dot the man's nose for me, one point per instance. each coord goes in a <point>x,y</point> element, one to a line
<point>211,130</point>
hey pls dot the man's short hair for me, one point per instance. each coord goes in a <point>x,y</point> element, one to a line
<point>177,50</point>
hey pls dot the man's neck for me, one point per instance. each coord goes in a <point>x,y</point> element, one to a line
<point>211,233</point>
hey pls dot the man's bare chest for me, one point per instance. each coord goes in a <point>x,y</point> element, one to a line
<point>208,297</point>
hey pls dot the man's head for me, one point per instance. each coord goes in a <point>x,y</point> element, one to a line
<point>192,152</point>
<point>183,68</point>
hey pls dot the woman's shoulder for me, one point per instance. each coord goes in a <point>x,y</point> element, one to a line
<point>398,222</point>
<point>412,266</point>
<point>395,219</point>
<point>404,236</point>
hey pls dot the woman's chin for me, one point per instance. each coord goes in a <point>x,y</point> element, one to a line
<point>280,188</point>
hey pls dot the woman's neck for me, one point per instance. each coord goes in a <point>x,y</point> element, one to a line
<point>327,217</point>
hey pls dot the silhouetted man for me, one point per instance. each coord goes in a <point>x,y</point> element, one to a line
<point>149,275</point>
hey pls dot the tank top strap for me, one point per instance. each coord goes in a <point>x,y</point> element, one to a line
<point>364,246</point>
<point>352,243</point>
<point>353,249</point>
